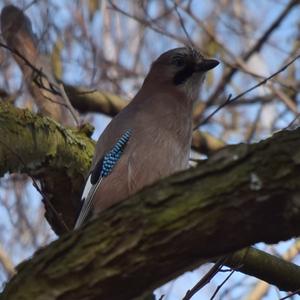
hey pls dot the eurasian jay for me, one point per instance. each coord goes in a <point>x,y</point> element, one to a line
<point>151,137</point>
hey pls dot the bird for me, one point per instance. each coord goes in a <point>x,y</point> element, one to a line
<point>151,137</point>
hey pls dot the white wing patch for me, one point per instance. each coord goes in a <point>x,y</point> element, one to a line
<point>87,198</point>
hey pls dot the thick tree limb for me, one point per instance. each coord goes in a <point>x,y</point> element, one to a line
<point>86,100</point>
<point>242,195</point>
<point>58,157</point>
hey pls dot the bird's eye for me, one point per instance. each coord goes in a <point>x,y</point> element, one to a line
<point>178,62</point>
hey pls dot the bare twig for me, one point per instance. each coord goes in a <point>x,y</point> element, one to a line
<point>221,285</point>
<point>229,100</point>
<point>255,48</point>
<point>23,44</point>
<point>183,25</point>
<point>291,295</point>
<point>37,71</point>
<point>68,103</point>
<point>38,78</point>
<point>205,279</point>
<point>147,23</point>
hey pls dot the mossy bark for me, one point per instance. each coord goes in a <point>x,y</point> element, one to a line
<point>58,157</point>
<point>242,195</point>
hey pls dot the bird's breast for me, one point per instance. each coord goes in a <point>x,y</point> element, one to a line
<point>159,146</point>
<point>155,154</point>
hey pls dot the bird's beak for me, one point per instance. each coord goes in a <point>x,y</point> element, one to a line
<point>206,64</point>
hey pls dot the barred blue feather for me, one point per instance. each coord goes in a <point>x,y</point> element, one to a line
<point>111,158</point>
<point>102,169</point>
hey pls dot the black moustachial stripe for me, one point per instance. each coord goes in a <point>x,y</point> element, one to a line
<point>182,75</point>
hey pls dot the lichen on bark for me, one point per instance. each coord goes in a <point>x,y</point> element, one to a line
<point>58,157</point>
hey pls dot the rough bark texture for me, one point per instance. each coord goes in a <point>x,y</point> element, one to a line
<point>242,195</point>
<point>58,157</point>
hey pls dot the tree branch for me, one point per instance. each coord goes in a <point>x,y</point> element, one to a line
<point>58,157</point>
<point>261,288</point>
<point>87,100</point>
<point>242,195</point>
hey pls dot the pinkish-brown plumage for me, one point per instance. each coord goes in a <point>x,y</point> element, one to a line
<point>160,119</point>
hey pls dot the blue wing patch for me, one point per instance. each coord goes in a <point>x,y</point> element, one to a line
<point>106,164</point>
<point>102,169</point>
<point>111,158</point>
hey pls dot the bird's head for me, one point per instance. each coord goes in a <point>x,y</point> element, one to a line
<point>183,68</point>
